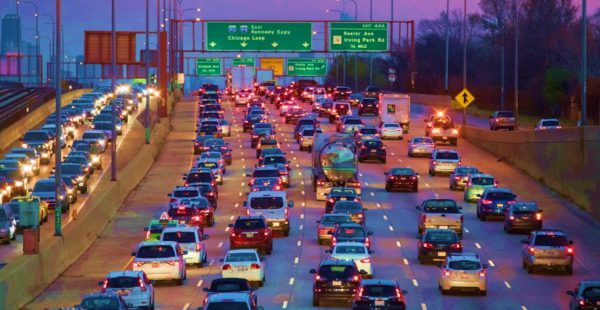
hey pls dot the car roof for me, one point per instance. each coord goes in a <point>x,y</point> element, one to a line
<point>549,232</point>
<point>250,217</point>
<point>498,190</point>
<point>229,296</point>
<point>481,175</point>
<point>125,273</point>
<point>266,167</point>
<point>180,228</point>
<point>189,188</point>
<point>154,243</point>
<point>267,194</point>
<point>350,243</point>
<point>243,251</point>
<point>463,256</point>
<point>365,282</point>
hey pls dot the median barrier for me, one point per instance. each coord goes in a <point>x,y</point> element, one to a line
<point>15,131</point>
<point>27,277</point>
<point>565,160</point>
<point>442,101</point>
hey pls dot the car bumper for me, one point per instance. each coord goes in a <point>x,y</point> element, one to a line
<point>138,300</point>
<point>335,294</point>
<point>160,273</point>
<point>551,263</point>
<point>449,284</point>
<point>253,275</point>
<point>279,225</point>
<point>391,134</point>
<point>488,211</point>
<point>444,169</point>
<point>371,305</point>
<point>525,225</point>
<point>193,257</point>
<point>420,151</point>
<point>306,143</point>
<point>436,254</point>
<point>402,184</point>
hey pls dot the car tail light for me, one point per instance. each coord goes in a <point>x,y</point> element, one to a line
<point>570,250</point>
<point>172,200</point>
<point>427,245</point>
<point>355,278</point>
<point>360,292</point>
<point>582,302</point>
<point>469,183</point>
<point>142,285</point>
<point>538,216</point>
<point>392,177</point>
<point>486,202</point>
<point>331,200</point>
<point>365,260</point>
<point>367,242</point>
<point>482,273</point>
<point>226,267</point>
<point>320,182</point>
<point>457,178</point>
<point>148,234</point>
<point>360,215</point>
<point>104,286</point>
<point>248,212</point>
<point>286,212</point>
<point>446,273</point>
<point>277,188</point>
<point>255,266</point>
<point>423,218</point>
<point>317,277</point>
<point>383,147</point>
<point>456,246</point>
<point>266,233</point>
<point>196,218</point>
<point>138,264</point>
<point>333,241</point>
<point>532,250</point>
<point>172,262</point>
<point>434,162</point>
<point>512,218</point>
<point>233,234</point>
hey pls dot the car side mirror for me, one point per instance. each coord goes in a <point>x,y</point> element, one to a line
<point>169,195</point>
<point>524,241</point>
<point>364,273</point>
<point>570,293</point>
<point>145,228</point>
<point>230,225</point>
<point>312,271</point>
<point>290,204</point>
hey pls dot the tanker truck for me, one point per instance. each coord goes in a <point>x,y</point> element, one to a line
<point>334,163</point>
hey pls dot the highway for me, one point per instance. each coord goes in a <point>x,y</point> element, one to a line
<point>391,216</point>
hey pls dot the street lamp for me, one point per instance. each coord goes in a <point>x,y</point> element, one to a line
<point>355,54</point>
<point>52,26</point>
<point>198,10</point>
<point>583,62</point>
<point>37,40</point>
<point>343,54</point>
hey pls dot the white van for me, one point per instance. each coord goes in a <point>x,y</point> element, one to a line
<point>395,108</point>
<point>273,206</point>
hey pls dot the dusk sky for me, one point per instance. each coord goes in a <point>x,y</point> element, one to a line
<point>80,15</point>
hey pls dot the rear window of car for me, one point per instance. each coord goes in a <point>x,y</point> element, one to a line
<point>373,143</point>
<point>464,265</point>
<point>446,155</point>
<point>500,196</point>
<point>155,251</point>
<point>441,206</point>
<point>123,282</point>
<point>591,293</point>
<point>466,170</point>
<point>379,290</point>
<point>422,140</point>
<point>236,286</point>
<point>402,171</point>
<point>482,181</point>
<point>347,206</point>
<point>550,123</point>
<point>265,173</point>
<point>249,224</point>
<point>241,257</point>
<point>505,114</point>
<point>228,305</point>
<point>351,232</point>
<point>350,249</point>
<point>199,177</point>
<point>368,131</point>
<point>266,203</point>
<point>391,125</point>
<point>369,100</point>
<point>185,193</point>
<point>180,236</point>
<point>441,236</point>
<point>274,160</point>
<point>551,240</point>
<point>308,132</point>
<point>335,219</point>
<point>208,164</point>
<point>353,121</point>
<point>335,271</point>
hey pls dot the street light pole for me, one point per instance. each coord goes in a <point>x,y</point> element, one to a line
<point>583,62</point>
<point>516,78</point>
<point>447,35</point>
<point>52,26</point>
<point>371,55</point>
<point>464,30</point>
<point>147,112</point>
<point>502,41</point>
<point>57,156</point>
<point>113,144</point>
<point>37,41</point>
<point>18,46</point>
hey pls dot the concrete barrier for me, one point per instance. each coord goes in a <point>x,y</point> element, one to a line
<point>25,278</point>
<point>566,160</point>
<point>11,134</point>
<point>441,101</point>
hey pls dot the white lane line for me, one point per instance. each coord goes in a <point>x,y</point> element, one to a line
<point>285,304</point>
<point>366,183</point>
<point>378,205</point>
<point>294,157</point>
<point>507,284</point>
<point>292,281</point>
<point>491,263</point>
<point>199,283</point>
<point>242,154</point>
<point>393,154</point>
<point>297,166</point>
<point>301,226</point>
<point>427,184</point>
<point>243,183</point>
<point>466,230</point>
<point>292,152</point>
<point>405,261</point>
<point>303,193</point>
<point>301,182</point>
<point>436,195</point>
<point>186,306</point>
<point>302,215</point>
<point>423,306</point>
<point>398,244</point>
<point>243,159</point>
<point>299,173</point>
<point>399,159</point>
<point>391,228</point>
<point>299,243</point>
<point>414,282</point>
<point>372,194</point>
<point>236,205</point>
<point>303,204</point>
<point>296,260</point>
<point>227,229</point>
<point>220,244</point>
<point>360,174</point>
<point>231,218</point>
<point>385,217</point>
<point>241,193</point>
<point>477,245</point>
<point>523,308</point>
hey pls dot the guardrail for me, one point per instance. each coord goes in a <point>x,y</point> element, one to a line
<point>15,104</point>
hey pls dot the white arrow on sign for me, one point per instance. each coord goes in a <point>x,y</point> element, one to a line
<point>212,44</point>
<point>275,44</point>
<point>305,44</point>
<point>243,44</point>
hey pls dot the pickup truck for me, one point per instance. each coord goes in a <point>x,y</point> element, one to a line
<point>442,130</point>
<point>441,214</point>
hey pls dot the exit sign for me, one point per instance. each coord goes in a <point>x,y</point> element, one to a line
<point>358,37</point>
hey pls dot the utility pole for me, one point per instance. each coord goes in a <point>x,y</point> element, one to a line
<point>18,45</point>
<point>516,78</point>
<point>447,35</point>
<point>371,55</point>
<point>113,144</point>
<point>502,41</point>
<point>52,26</point>
<point>583,62</point>
<point>147,112</point>
<point>464,30</point>
<point>37,42</point>
<point>57,156</point>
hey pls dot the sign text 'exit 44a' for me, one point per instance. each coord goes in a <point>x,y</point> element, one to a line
<point>258,36</point>
<point>358,37</point>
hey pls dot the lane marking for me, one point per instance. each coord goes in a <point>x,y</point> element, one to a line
<point>128,262</point>
<point>227,229</point>
<point>385,217</point>
<point>393,154</point>
<point>297,166</point>
<point>199,283</point>
<point>436,195</point>
<point>415,283</point>
<point>372,194</point>
<point>378,205</point>
<point>523,308</point>
<point>292,281</point>
<point>366,183</point>
<point>398,244</point>
<point>243,183</point>
<point>360,174</point>
<point>391,228</point>
<point>302,215</point>
<point>423,306</point>
<point>405,261</point>
<point>507,284</point>
<point>477,245</point>
<point>491,263</point>
<point>301,226</point>
<point>296,260</point>
<point>231,218</point>
<point>299,173</point>
<point>285,304</point>
<point>299,243</point>
<point>399,159</point>
<point>243,166</point>
<point>301,182</point>
<point>220,244</point>
<point>303,193</point>
<point>303,204</point>
<point>241,193</point>
<point>466,230</point>
<point>427,184</point>
<point>186,306</point>
<point>236,205</point>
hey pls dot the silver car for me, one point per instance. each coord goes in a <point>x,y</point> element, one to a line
<point>133,286</point>
<point>548,249</point>
<point>463,272</point>
<point>420,146</point>
<point>443,161</point>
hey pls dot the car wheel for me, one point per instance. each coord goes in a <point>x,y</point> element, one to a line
<point>421,260</point>
<point>286,232</point>
<point>310,149</point>
<point>482,217</point>
<point>179,282</point>
<point>431,173</point>
<point>269,250</point>
<point>320,241</point>
<point>444,292</point>
<point>316,301</point>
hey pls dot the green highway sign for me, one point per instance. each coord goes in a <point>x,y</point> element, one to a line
<point>306,67</point>
<point>358,37</point>
<point>244,61</point>
<point>208,66</point>
<point>258,36</point>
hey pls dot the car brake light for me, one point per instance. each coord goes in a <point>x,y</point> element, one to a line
<point>198,247</point>
<point>427,245</point>
<point>446,273</point>
<point>248,212</point>
<point>317,277</point>
<point>486,201</point>
<point>434,162</point>
<point>148,234</point>
<point>255,266</point>
<point>139,264</point>
<point>365,260</point>
<point>570,250</point>
<point>172,262</point>
<point>538,216</point>
<point>457,178</point>
<point>456,245</point>
<point>355,278</point>
<point>512,218</point>
<point>104,286</point>
<point>367,242</point>
<point>181,207</point>
<point>582,302</point>
<point>360,215</point>
<point>333,241</point>
<point>226,267</point>
<point>360,292</point>
<point>196,218</point>
<point>172,200</point>
<point>142,285</point>
<point>532,250</point>
<point>482,273</point>
<point>512,202</point>
<point>286,213</point>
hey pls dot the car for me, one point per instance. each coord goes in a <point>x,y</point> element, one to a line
<point>401,178</point>
<point>231,300</point>
<point>335,280</point>
<point>368,105</point>
<point>463,272</point>
<point>420,146</point>
<point>14,183</point>
<point>194,211</point>
<point>440,117</point>
<point>264,172</point>
<point>8,225</point>
<point>285,106</point>
<point>494,201</point>
<point>338,110</point>
<point>267,142</point>
<point>372,92</point>
<point>351,232</point>
<point>160,261</point>
<point>260,131</point>
<point>182,192</point>
<point>379,294</point>
<point>133,286</point>
<point>341,92</point>
<point>90,149</point>
<point>442,130</point>
<point>251,120</point>
<point>547,124</point>
<point>586,295</point>
<point>307,139</point>
<point>155,227</point>
<point>5,190</point>
<point>46,190</point>
<point>40,140</point>
<point>105,127</point>
<point>292,115</point>
<point>443,161</point>
<point>82,160</point>
<point>215,165</point>
<point>303,122</point>
<point>96,136</point>
<point>71,187</point>
<point>353,208</point>
<point>281,163</point>
<point>366,132</point>
<point>459,177</point>
<point>77,173</point>
<point>242,97</point>
<point>245,264</point>
<point>251,232</point>
<point>476,184</point>
<point>502,119</point>
<point>436,244</point>
<point>523,215</point>
<point>198,176</point>
<point>440,213</point>
<point>269,152</point>
<point>211,193</point>
<point>324,107</point>
<point>32,154</point>
<point>267,184</point>
<point>549,249</point>
<point>102,301</point>
<point>30,202</point>
<point>372,149</point>
<point>391,130</point>
<point>327,224</point>
<point>350,124</point>
<point>273,206</point>
<point>340,194</point>
<point>209,129</point>
<point>191,240</point>
<point>230,285</point>
<point>354,99</point>
<point>356,252</point>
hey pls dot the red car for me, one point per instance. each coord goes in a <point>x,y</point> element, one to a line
<point>401,178</point>
<point>193,212</point>
<point>251,232</point>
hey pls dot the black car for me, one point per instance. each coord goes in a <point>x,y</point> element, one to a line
<point>210,130</point>
<point>305,121</point>
<point>351,232</point>
<point>585,296</point>
<point>293,115</point>
<point>435,244</point>
<point>524,216</point>
<point>379,294</point>
<point>341,92</point>
<point>230,285</point>
<point>208,191</point>
<point>199,143</point>
<point>494,202</point>
<point>336,281</point>
<point>259,131</point>
<point>368,105</point>
<point>82,160</point>
<point>401,178</point>
<point>250,120</point>
<point>197,176</point>
<point>76,172</point>
<point>372,92</point>
<point>372,149</point>
<point>14,179</point>
<point>340,194</point>
<point>42,141</point>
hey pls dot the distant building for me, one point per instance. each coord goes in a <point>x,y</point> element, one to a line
<point>11,34</point>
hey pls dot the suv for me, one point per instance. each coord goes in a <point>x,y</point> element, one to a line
<point>585,296</point>
<point>231,300</point>
<point>349,124</point>
<point>251,232</point>
<point>335,280</point>
<point>443,161</point>
<point>372,149</point>
<point>372,92</point>
<point>102,301</point>
<point>548,249</point>
<point>339,109</point>
<point>523,215</point>
<point>436,244</point>
<point>182,192</point>
<point>341,92</point>
<point>373,294</point>
<point>494,202</point>
<point>368,105</point>
<point>502,119</point>
<point>191,240</point>
<point>230,285</point>
<point>273,206</point>
<point>460,177</point>
<point>135,288</point>
<point>464,272</point>
<point>340,194</point>
<point>351,232</point>
<point>161,260</point>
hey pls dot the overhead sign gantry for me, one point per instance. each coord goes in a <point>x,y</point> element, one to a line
<point>258,36</point>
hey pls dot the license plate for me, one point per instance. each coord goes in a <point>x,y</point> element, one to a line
<point>275,224</point>
<point>464,276</point>
<point>442,254</point>
<point>499,205</point>
<point>444,138</point>
<point>123,292</point>
<point>373,151</point>
<point>242,268</point>
<point>379,302</point>
<point>402,179</point>
<point>443,227</point>
<point>249,235</point>
<point>337,283</point>
<point>155,265</point>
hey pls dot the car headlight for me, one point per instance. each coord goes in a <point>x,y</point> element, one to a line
<point>61,197</point>
<point>101,142</point>
<point>45,154</point>
<point>96,158</point>
<point>70,190</point>
<point>123,113</point>
<point>80,178</point>
<point>118,127</point>
<point>27,168</point>
<point>32,161</point>
<point>18,183</point>
<point>24,145</point>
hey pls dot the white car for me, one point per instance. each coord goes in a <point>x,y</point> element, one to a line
<point>419,146</point>
<point>160,261</point>
<point>230,300</point>
<point>190,239</point>
<point>182,192</point>
<point>354,251</point>
<point>443,161</point>
<point>133,286</point>
<point>245,264</point>
<point>242,97</point>
<point>391,131</point>
<point>287,106</point>
<point>548,123</point>
<point>463,271</point>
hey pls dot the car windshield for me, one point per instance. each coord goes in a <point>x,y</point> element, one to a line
<point>266,203</point>
<point>446,155</point>
<point>92,135</point>
<point>368,131</point>
<point>347,206</point>
<point>422,140</point>
<point>155,251</point>
<point>500,196</point>
<point>35,136</point>
<point>336,271</point>
<point>44,187</point>
<point>123,282</point>
<point>103,303</point>
<point>353,121</point>
<point>466,170</point>
<point>228,305</point>
<point>550,123</point>
<point>591,293</point>
<point>350,249</point>
<point>265,173</point>
<point>441,236</point>
<point>199,177</point>
<point>241,257</point>
<point>464,265</point>
<point>351,232</point>
<point>551,240</point>
<point>379,290</point>
<point>180,236</point>
<point>482,181</point>
<point>185,193</point>
<point>335,219</point>
<point>506,114</point>
<point>402,171</point>
<point>440,206</point>
<point>274,160</point>
<point>249,224</point>
<point>71,169</point>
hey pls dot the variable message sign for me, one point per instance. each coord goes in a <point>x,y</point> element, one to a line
<point>306,66</point>
<point>258,36</point>
<point>358,37</point>
<point>244,61</point>
<point>273,63</point>
<point>208,66</point>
